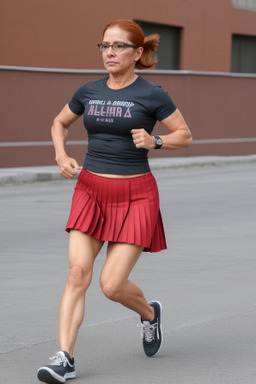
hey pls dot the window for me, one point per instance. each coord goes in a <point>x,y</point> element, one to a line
<point>245,4</point>
<point>168,51</point>
<point>243,54</point>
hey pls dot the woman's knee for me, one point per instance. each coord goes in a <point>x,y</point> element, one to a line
<point>78,277</point>
<point>111,289</point>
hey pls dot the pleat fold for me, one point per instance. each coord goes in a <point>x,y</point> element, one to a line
<point>86,214</point>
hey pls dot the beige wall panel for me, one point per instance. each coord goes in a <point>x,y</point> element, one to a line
<point>215,108</point>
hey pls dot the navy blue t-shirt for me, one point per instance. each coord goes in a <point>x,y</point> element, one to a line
<point>109,117</point>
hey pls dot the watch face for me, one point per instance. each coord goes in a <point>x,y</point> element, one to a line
<point>158,142</point>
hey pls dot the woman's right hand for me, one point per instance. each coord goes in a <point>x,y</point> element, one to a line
<point>68,166</point>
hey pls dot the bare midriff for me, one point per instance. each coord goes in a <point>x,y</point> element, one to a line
<point>109,175</point>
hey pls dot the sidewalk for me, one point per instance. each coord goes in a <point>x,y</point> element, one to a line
<point>46,173</point>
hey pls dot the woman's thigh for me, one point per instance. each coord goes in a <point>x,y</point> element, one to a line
<point>83,249</point>
<point>121,258</point>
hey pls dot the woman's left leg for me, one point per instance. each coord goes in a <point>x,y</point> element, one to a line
<point>121,258</point>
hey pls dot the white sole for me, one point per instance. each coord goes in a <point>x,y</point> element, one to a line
<point>48,374</point>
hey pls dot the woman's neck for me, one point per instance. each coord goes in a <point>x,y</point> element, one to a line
<point>121,81</point>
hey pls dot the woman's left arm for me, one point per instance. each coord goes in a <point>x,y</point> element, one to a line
<point>179,136</point>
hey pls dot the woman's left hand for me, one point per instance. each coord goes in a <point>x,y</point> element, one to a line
<point>142,139</point>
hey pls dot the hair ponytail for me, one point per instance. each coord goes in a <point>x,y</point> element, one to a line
<point>148,59</point>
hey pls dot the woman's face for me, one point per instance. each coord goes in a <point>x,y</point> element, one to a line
<point>119,63</point>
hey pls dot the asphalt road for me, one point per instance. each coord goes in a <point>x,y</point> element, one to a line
<point>205,281</point>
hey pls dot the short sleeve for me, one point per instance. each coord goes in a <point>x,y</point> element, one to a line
<point>161,103</point>
<point>76,104</point>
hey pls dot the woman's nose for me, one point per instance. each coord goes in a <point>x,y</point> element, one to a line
<point>110,51</point>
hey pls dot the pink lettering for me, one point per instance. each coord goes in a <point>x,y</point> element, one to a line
<point>90,112</point>
<point>96,112</point>
<point>102,111</point>
<point>119,112</point>
<point>127,113</point>
<point>111,111</point>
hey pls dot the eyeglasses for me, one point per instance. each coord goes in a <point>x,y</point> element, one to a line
<point>118,46</point>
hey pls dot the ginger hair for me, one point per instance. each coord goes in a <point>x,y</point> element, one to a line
<point>149,43</point>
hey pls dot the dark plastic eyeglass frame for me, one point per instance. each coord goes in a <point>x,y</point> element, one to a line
<point>124,45</point>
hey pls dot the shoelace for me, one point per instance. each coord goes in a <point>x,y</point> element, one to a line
<point>148,330</point>
<point>59,359</point>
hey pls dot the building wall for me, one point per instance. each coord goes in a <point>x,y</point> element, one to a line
<point>64,33</point>
<point>219,109</point>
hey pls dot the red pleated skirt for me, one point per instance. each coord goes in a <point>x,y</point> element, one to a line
<point>118,210</point>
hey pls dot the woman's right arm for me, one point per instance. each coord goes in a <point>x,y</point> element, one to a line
<point>59,131</point>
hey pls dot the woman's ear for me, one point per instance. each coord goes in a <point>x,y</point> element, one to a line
<point>139,53</point>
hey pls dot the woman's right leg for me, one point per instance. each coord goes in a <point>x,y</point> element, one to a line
<point>83,250</point>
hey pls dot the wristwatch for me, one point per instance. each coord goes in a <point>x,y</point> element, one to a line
<point>158,142</point>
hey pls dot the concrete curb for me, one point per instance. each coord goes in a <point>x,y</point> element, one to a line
<point>47,173</point>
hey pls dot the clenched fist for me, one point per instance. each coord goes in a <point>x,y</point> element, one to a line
<point>142,139</point>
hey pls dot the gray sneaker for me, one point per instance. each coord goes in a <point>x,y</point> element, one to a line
<point>152,331</point>
<point>61,369</point>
